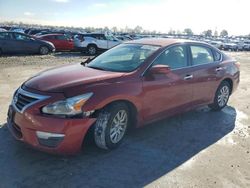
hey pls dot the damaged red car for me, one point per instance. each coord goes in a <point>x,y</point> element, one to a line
<point>130,85</point>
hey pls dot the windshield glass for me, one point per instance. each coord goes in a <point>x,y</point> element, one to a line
<point>123,58</point>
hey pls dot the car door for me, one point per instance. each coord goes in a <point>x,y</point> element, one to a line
<point>7,43</point>
<point>62,42</point>
<point>101,41</point>
<point>53,40</point>
<point>25,44</point>
<point>171,92</point>
<point>206,71</point>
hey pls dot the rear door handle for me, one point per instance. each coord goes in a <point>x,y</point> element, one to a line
<point>188,77</point>
<point>218,69</point>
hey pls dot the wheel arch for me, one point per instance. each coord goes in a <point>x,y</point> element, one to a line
<point>92,44</point>
<point>133,112</point>
<point>132,109</point>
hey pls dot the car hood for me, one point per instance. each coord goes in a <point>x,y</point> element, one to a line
<point>60,78</point>
<point>47,43</point>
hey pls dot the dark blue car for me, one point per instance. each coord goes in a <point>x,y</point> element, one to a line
<point>19,43</point>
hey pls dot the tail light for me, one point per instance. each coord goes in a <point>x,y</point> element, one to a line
<point>237,64</point>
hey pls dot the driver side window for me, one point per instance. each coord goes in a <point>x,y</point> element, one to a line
<point>175,57</point>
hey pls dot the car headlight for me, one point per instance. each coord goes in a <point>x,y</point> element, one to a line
<point>69,107</point>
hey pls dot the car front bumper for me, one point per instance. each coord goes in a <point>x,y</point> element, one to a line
<point>49,134</point>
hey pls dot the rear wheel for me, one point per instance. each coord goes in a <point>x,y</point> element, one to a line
<point>92,49</point>
<point>44,50</point>
<point>111,126</point>
<point>221,96</point>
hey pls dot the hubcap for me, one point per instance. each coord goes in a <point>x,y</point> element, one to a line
<point>118,127</point>
<point>92,50</point>
<point>223,96</point>
<point>44,50</point>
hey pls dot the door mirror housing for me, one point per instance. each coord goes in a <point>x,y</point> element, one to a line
<point>160,69</point>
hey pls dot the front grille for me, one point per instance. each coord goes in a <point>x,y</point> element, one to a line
<point>23,99</point>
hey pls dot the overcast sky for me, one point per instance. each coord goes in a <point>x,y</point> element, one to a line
<point>160,15</point>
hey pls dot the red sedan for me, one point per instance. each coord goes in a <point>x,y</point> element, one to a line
<point>132,84</point>
<point>60,41</point>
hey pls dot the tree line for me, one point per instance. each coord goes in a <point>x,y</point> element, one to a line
<point>136,30</point>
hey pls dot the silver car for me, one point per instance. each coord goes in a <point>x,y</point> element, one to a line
<point>94,42</point>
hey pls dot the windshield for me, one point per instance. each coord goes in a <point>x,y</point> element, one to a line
<point>123,58</point>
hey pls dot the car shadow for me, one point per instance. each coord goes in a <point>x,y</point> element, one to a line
<point>146,154</point>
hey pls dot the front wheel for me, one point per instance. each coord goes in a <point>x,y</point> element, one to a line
<point>92,49</point>
<point>111,126</point>
<point>221,96</point>
<point>44,50</point>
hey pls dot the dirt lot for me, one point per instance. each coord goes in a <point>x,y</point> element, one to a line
<point>197,149</point>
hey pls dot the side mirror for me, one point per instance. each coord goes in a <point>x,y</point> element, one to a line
<point>160,69</point>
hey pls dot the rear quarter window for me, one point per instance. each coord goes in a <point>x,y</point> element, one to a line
<point>217,56</point>
<point>61,37</point>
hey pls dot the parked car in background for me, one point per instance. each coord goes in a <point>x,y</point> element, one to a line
<point>217,44</point>
<point>60,41</point>
<point>17,29</point>
<point>1,30</point>
<point>132,84</point>
<point>94,42</point>
<point>123,37</point>
<point>230,46</point>
<point>35,31</point>
<point>246,45</point>
<point>14,43</point>
<point>7,28</point>
<point>240,45</point>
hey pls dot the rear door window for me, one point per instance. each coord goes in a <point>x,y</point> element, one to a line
<point>175,57</point>
<point>201,55</point>
<point>61,37</point>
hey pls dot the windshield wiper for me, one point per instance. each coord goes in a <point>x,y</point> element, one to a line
<point>88,60</point>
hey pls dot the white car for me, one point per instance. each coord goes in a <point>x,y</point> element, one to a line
<point>94,42</point>
<point>217,44</point>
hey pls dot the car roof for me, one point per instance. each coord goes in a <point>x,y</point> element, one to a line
<point>163,42</point>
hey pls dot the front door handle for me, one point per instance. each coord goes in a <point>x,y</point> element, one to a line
<point>218,69</point>
<point>188,77</point>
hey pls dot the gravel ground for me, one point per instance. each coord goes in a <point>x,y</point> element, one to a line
<point>196,149</point>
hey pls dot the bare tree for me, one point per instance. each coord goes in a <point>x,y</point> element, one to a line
<point>224,33</point>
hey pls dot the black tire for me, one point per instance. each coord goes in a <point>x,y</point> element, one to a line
<point>105,128</point>
<point>1,52</point>
<point>44,50</point>
<point>92,49</point>
<point>221,96</point>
